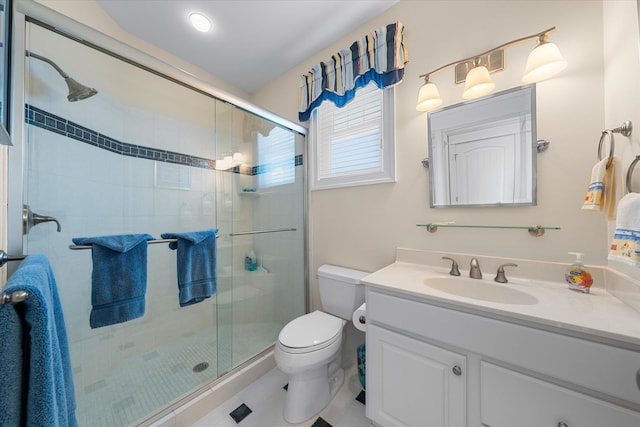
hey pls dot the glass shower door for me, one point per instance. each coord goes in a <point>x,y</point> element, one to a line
<point>150,155</point>
<point>135,158</point>
<point>260,178</point>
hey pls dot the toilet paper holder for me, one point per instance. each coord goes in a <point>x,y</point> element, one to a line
<point>359,318</point>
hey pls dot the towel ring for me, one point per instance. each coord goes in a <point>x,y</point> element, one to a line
<point>630,172</point>
<point>612,146</point>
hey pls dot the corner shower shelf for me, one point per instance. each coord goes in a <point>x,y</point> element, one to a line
<point>534,230</point>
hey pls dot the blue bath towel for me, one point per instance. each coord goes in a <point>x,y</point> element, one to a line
<point>119,277</point>
<point>11,355</point>
<point>196,263</point>
<point>48,397</point>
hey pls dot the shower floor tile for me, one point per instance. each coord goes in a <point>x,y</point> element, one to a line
<point>147,383</point>
<point>266,397</point>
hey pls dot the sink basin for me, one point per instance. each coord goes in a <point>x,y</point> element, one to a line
<point>481,289</point>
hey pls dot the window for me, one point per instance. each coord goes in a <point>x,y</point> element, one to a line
<point>276,154</point>
<point>354,145</point>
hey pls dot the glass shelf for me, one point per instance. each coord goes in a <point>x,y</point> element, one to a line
<point>534,230</point>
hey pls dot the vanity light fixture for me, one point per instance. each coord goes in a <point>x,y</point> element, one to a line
<point>478,82</point>
<point>544,61</point>
<point>200,22</point>
<point>230,161</point>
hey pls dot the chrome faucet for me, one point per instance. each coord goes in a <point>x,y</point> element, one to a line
<point>475,272</point>
<point>31,219</point>
<point>500,277</point>
<point>454,266</point>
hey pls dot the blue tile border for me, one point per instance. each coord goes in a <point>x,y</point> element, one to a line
<point>45,120</point>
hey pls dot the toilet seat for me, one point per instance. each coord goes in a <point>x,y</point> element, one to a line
<point>311,332</point>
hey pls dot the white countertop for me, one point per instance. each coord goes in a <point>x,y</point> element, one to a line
<point>598,315</point>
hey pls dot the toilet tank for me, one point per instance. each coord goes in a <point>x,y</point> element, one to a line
<point>340,290</point>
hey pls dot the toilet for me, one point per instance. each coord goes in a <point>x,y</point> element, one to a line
<point>308,348</point>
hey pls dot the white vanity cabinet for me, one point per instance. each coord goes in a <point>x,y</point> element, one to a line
<point>512,372</point>
<point>414,383</point>
<point>509,398</point>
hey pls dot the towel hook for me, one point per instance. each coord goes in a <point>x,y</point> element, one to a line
<point>630,172</point>
<point>612,146</point>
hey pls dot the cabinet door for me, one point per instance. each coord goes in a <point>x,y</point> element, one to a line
<point>509,399</point>
<point>411,383</point>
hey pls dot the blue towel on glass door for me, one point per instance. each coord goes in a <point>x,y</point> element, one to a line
<point>119,277</point>
<point>196,263</point>
<point>48,398</point>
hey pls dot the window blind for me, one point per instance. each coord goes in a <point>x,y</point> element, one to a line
<point>276,155</point>
<point>349,139</point>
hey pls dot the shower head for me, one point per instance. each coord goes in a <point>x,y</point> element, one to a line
<point>77,91</point>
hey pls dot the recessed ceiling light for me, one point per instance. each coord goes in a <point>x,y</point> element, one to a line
<point>200,22</point>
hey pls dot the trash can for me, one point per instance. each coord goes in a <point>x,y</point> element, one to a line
<point>362,365</point>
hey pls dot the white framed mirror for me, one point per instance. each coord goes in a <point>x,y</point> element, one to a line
<point>483,152</point>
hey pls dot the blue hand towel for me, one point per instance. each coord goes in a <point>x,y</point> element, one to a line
<point>119,277</point>
<point>50,398</point>
<point>196,261</point>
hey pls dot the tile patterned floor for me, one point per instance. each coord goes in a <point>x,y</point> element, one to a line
<point>147,383</point>
<point>265,401</point>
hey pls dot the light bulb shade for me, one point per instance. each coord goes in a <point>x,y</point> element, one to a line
<point>428,97</point>
<point>544,61</point>
<point>478,83</point>
<point>200,22</point>
<point>238,158</point>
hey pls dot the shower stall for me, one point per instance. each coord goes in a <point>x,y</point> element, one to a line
<point>151,154</point>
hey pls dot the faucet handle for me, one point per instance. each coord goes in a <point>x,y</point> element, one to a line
<point>454,266</point>
<point>474,271</point>
<point>500,277</point>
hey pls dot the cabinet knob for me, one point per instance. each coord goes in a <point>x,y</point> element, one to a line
<point>457,370</point>
<point>362,320</point>
<point>561,424</point>
<point>638,379</point>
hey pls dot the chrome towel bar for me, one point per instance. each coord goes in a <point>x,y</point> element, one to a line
<point>4,257</point>
<point>243,233</point>
<point>14,297</point>
<point>630,172</point>
<point>150,242</point>
<point>625,129</point>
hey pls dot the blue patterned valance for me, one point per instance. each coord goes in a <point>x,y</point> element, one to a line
<point>378,57</point>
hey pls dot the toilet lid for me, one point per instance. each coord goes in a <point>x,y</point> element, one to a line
<point>310,330</point>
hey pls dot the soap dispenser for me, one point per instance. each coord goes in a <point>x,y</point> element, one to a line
<point>578,278</point>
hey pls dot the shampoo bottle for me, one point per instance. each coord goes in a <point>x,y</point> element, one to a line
<point>578,278</point>
<point>250,261</point>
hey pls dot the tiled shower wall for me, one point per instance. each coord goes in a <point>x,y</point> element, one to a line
<point>81,169</point>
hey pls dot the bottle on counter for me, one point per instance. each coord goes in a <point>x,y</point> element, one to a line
<point>578,278</point>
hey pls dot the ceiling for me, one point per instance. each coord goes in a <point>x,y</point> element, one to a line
<point>252,41</point>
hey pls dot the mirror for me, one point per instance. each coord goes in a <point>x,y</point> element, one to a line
<point>483,152</point>
<point>5,25</point>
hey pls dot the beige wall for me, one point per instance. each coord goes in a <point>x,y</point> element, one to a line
<point>622,87</point>
<point>360,227</point>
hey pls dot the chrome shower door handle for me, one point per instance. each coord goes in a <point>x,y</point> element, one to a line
<point>31,219</point>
